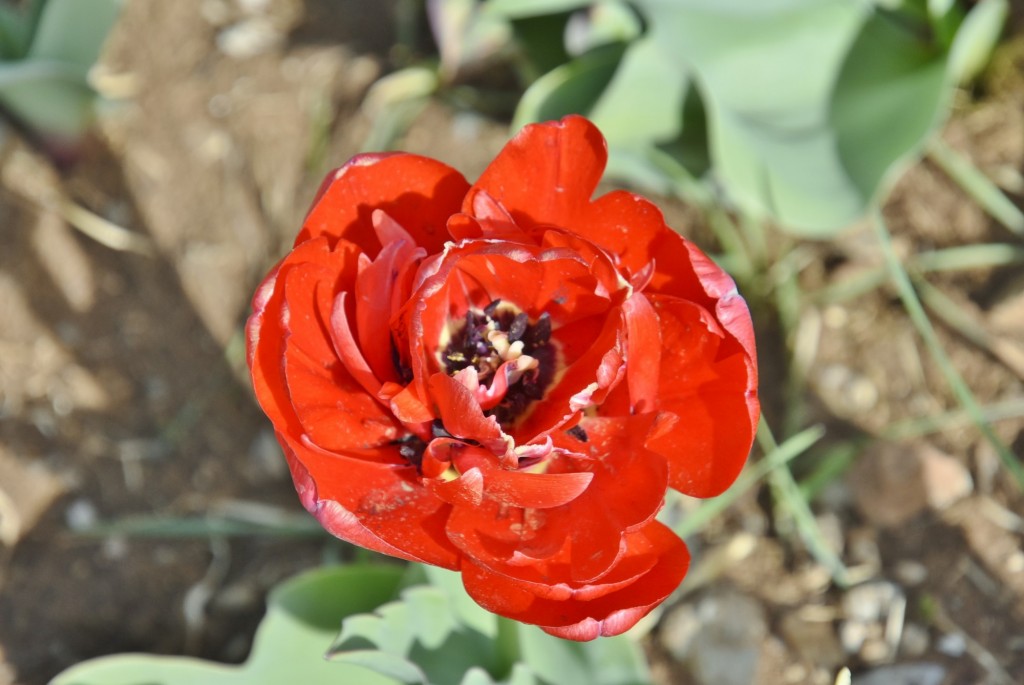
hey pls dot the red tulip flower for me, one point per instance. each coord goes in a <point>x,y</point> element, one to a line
<point>504,378</point>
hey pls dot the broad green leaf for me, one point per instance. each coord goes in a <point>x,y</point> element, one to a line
<point>46,97</point>
<point>419,638</point>
<point>465,34</point>
<point>810,103</point>
<point>15,32</point>
<point>766,75</point>
<point>466,611</point>
<point>73,31</point>
<point>49,50</point>
<point>643,100</point>
<point>519,9</point>
<point>607,21</point>
<point>891,92</point>
<point>605,661</point>
<point>301,621</point>
<point>976,39</point>
<point>572,87</point>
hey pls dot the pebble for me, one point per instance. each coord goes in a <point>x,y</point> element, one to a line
<point>945,479</point>
<point>719,640</point>
<point>903,674</point>
<point>952,644</point>
<point>869,602</point>
<point>893,483</point>
<point>813,639</point>
<point>81,514</point>
<point>910,573</point>
<point>914,641</point>
<point>248,38</point>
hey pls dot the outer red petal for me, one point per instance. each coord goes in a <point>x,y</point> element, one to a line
<point>708,380</point>
<point>380,507</point>
<point>272,323</point>
<point>582,537</point>
<point>417,192</point>
<point>578,612</point>
<point>545,174</point>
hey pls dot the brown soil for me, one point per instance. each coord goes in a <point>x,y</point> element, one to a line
<point>123,390</point>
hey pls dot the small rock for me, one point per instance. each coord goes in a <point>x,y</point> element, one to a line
<point>910,573</point>
<point>914,641</point>
<point>814,640</point>
<point>945,479</point>
<point>852,635</point>
<point>81,514</point>
<point>903,674</point>
<point>248,38</point>
<point>886,485</point>
<point>893,483</point>
<point>952,644</point>
<point>874,650</point>
<point>678,629</point>
<point>726,650</point>
<point>869,602</point>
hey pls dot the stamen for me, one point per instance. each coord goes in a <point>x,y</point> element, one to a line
<point>578,433</point>
<point>411,448</point>
<point>492,341</point>
<point>438,430</point>
<point>518,327</point>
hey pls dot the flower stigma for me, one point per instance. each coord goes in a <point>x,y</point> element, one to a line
<point>504,357</point>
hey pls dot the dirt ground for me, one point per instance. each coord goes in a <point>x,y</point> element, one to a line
<point>123,389</point>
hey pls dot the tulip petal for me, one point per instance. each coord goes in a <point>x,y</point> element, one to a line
<point>348,351</point>
<point>417,192</point>
<point>706,380</point>
<point>577,612</point>
<point>381,507</point>
<point>374,292</point>
<point>546,174</point>
<point>643,353</point>
<point>463,418</point>
<point>276,320</point>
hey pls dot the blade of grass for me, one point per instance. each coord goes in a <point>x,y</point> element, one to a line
<point>925,329</point>
<point>976,184</point>
<point>947,259</point>
<point>832,464</point>
<point>968,325</point>
<point>850,288</point>
<point>202,526</point>
<point>981,256</point>
<point>796,506</point>
<point>103,231</point>
<point>949,420</point>
<point>696,520</point>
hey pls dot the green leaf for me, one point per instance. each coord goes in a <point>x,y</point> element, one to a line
<point>766,75</point>
<point>394,102</point>
<point>810,104</point>
<point>890,94</point>
<point>607,21</point>
<point>49,51</point>
<point>643,99</point>
<point>605,661</point>
<point>519,9</point>
<point>573,87</point>
<point>47,97</point>
<point>73,31</point>
<point>419,638</point>
<point>976,39</point>
<point>302,618</point>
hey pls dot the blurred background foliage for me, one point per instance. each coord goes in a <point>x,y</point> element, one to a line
<point>782,122</point>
